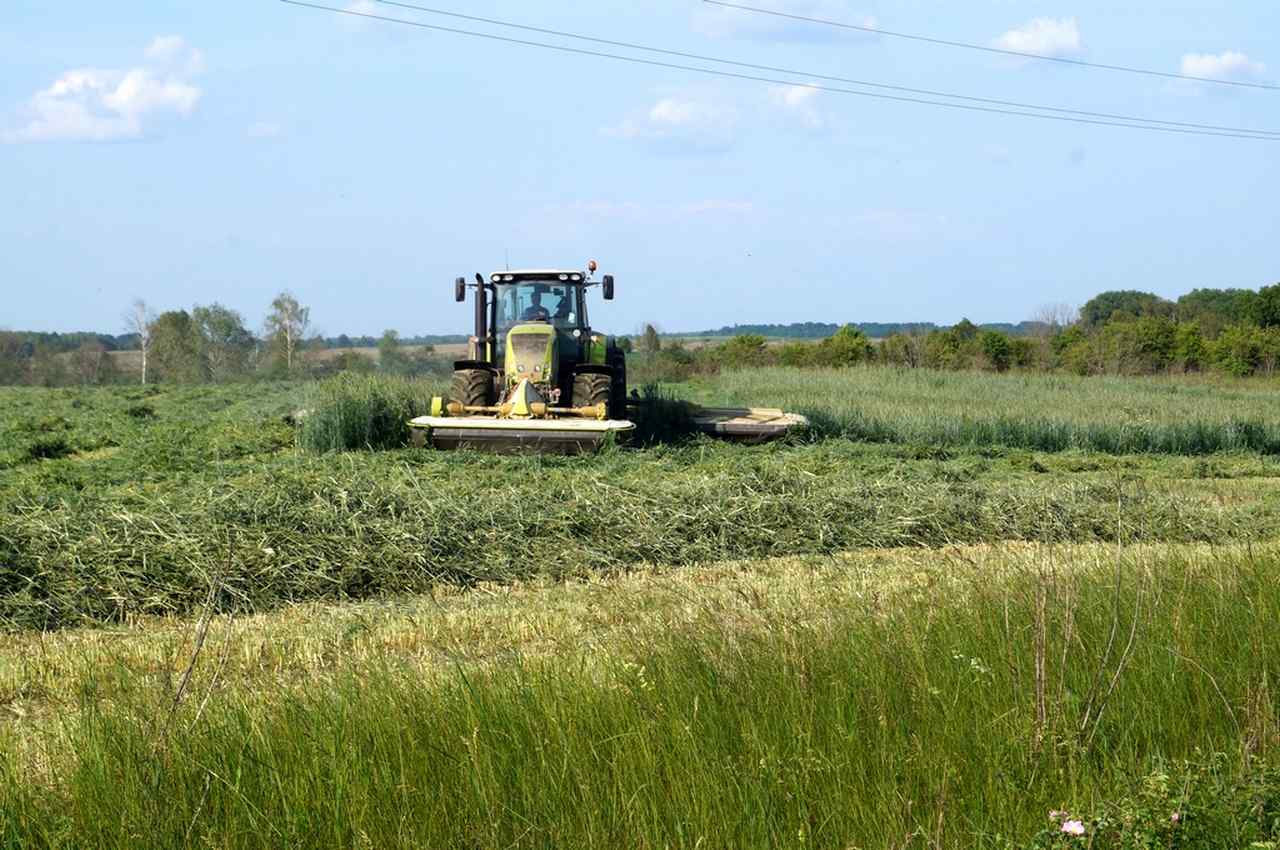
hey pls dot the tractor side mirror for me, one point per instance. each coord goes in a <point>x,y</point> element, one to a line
<point>607,287</point>
<point>460,289</point>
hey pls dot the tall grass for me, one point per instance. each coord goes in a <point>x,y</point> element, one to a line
<point>363,412</point>
<point>1049,413</point>
<point>956,713</point>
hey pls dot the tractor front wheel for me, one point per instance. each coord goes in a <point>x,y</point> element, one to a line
<point>472,387</point>
<point>590,389</point>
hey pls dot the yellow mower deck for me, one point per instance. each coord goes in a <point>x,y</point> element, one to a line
<point>746,424</point>
<point>489,433</point>
<point>572,436</point>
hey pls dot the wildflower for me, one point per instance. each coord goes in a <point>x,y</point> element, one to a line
<point>1057,815</point>
<point>1175,818</point>
<point>1073,827</point>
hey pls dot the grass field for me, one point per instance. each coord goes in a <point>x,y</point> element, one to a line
<point>904,698</point>
<point>961,601</point>
<point>1048,413</point>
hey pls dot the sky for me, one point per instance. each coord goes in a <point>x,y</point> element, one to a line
<point>188,153</point>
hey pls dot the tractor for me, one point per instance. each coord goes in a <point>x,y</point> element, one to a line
<point>538,378</point>
<point>536,375</point>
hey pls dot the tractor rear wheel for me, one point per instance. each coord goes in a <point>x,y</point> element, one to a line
<point>590,389</point>
<point>472,387</point>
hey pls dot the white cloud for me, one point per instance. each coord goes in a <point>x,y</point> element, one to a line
<point>798,103</point>
<point>723,22</point>
<point>690,121</point>
<point>363,7</point>
<point>1228,65</point>
<point>90,104</point>
<point>171,52</point>
<point>1057,37</point>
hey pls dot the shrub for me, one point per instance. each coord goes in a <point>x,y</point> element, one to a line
<point>997,349</point>
<point>1237,350</point>
<point>742,350</point>
<point>901,350</point>
<point>846,347</point>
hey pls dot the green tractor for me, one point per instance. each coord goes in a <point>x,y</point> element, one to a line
<point>536,375</point>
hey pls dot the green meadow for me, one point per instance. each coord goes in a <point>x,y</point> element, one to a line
<point>958,603</point>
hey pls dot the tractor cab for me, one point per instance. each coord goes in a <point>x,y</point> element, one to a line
<point>558,303</point>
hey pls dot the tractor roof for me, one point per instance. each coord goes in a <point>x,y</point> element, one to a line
<point>528,274</point>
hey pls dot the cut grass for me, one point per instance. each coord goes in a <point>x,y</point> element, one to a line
<point>361,524</point>
<point>144,511</point>
<point>944,700</point>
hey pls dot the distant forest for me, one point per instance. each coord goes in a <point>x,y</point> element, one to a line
<point>875,330</point>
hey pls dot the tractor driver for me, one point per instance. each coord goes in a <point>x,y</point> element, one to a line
<point>535,312</point>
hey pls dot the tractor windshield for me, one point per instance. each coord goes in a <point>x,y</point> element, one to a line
<point>539,301</point>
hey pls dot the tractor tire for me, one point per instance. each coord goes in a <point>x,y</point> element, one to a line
<point>472,387</point>
<point>590,389</point>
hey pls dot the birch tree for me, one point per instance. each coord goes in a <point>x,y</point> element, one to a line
<point>137,320</point>
<point>286,326</point>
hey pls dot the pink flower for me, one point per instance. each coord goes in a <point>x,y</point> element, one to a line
<point>1176,817</point>
<point>1057,815</point>
<point>1073,827</point>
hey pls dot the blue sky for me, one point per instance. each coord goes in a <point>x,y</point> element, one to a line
<point>195,152</point>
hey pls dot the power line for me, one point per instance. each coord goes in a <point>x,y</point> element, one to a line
<point>775,81</point>
<point>867,83</point>
<point>969,46</point>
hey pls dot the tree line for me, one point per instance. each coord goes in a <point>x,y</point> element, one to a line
<point>876,330</point>
<point>1123,332</point>
<point>209,343</point>
<point>1126,332</point>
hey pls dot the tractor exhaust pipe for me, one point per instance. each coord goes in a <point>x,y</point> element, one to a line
<point>482,318</point>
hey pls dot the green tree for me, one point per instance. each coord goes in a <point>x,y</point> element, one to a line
<point>1214,309</point>
<point>13,358</point>
<point>965,330</point>
<point>223,343</point>
<point>175,348</point>
<point>998,350</point>
<point>1126,303</point>
<point>1189,350</point>
<point>391,357</point>
<point>1238,350</point>
<point>1136,346</point>
<point>1265,309</point>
